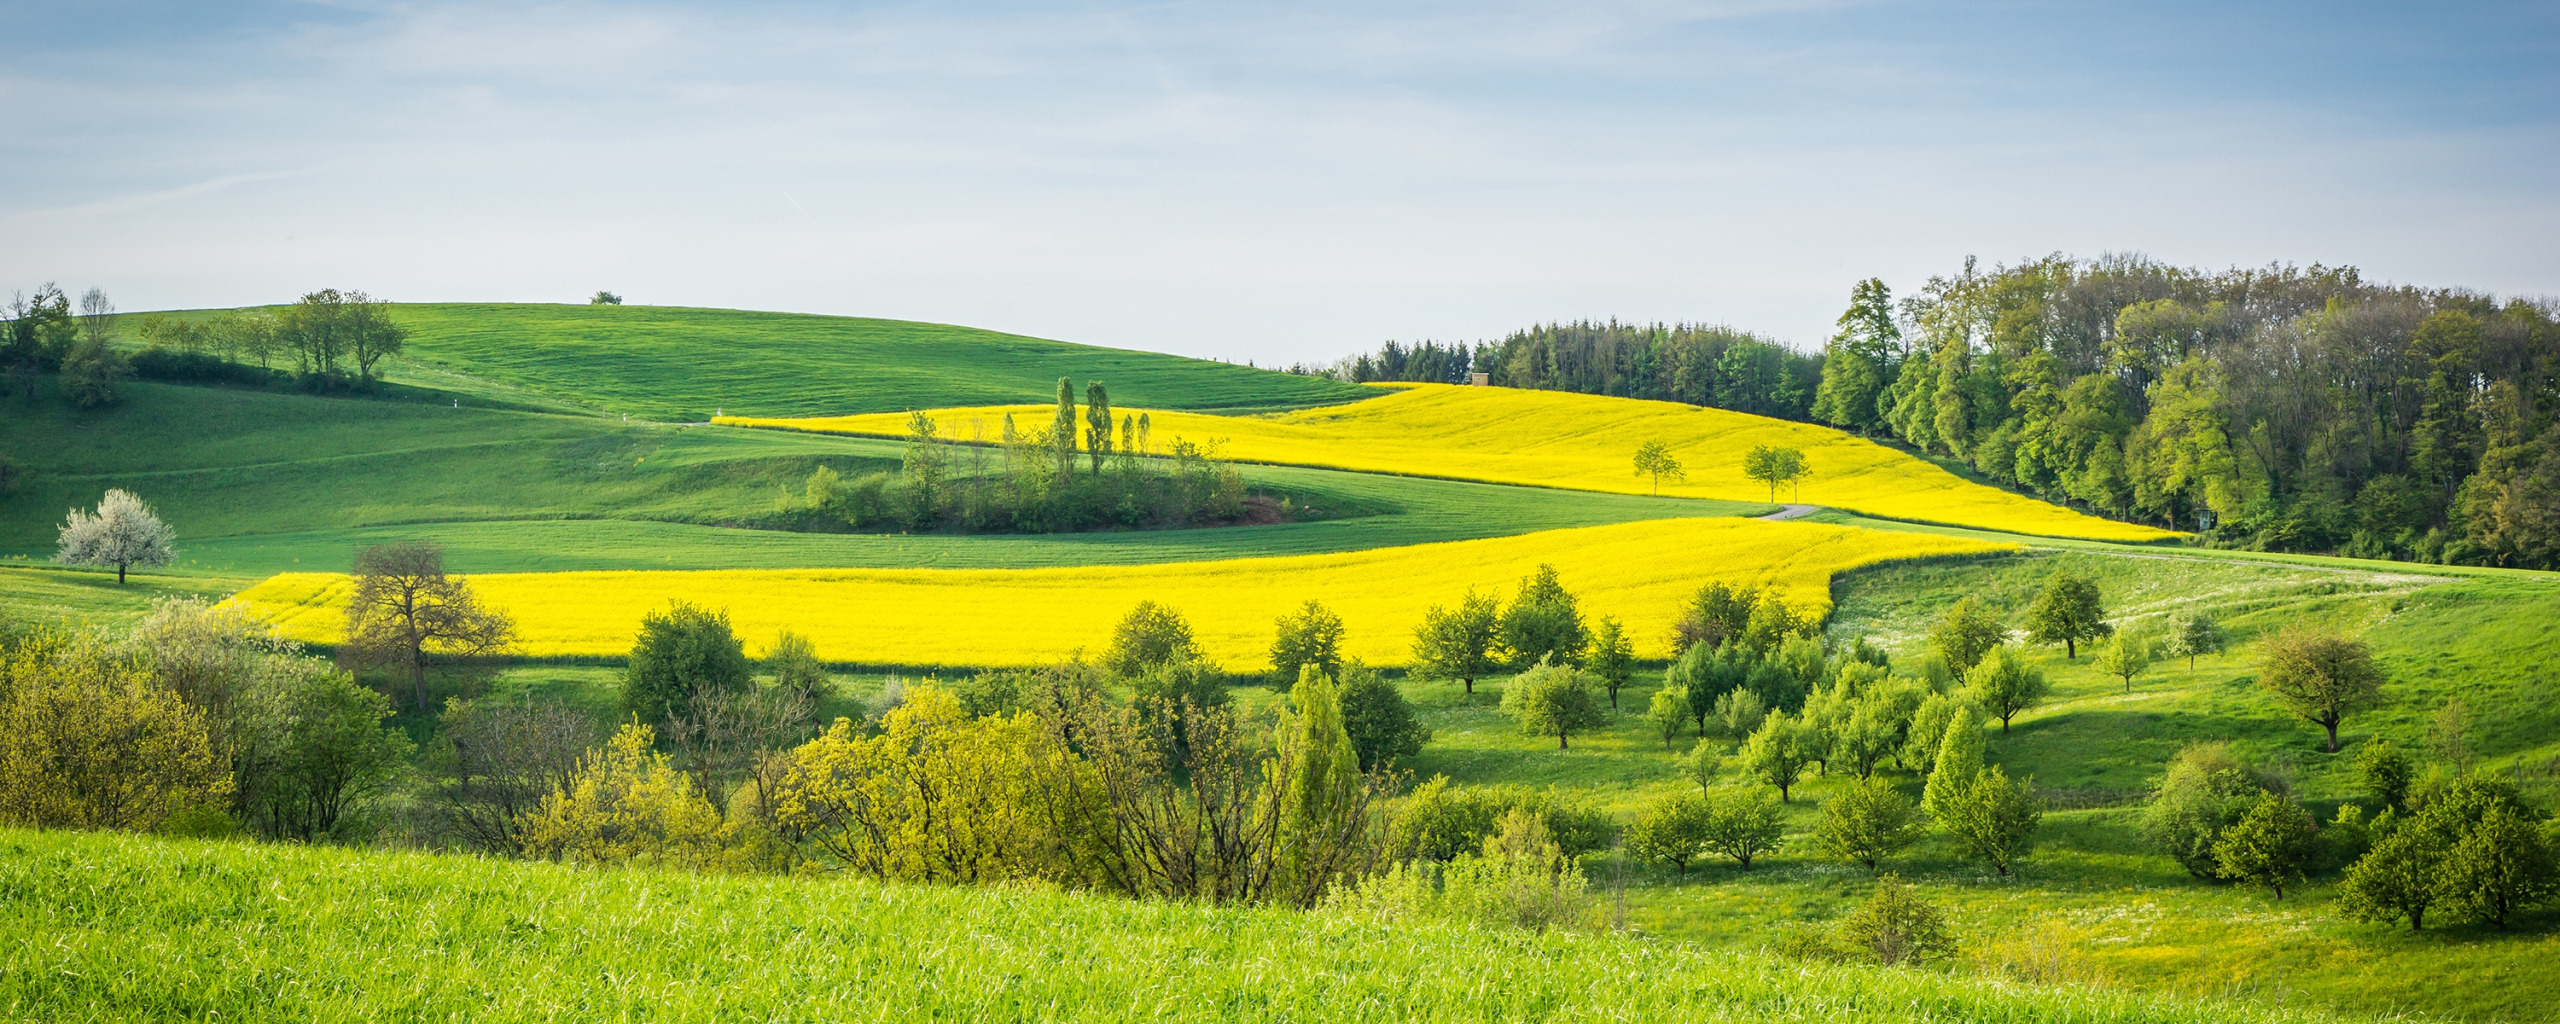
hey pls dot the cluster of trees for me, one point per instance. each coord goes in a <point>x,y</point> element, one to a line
<point>2281,409</point>
<point>1029,479</point>
<point>327,339</point>
<point>1542,626</point>
<point>1692,363</point>
<point>199,720</point>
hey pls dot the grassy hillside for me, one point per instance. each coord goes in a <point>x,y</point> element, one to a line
<point>114,928</point>
<point>1585,442</point>
<point>259,483</point>
<point>1640,572</point>
<point>676,364</point>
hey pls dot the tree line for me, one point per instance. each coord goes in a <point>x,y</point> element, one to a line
<point>326,340</point>
<point>1693,363</point>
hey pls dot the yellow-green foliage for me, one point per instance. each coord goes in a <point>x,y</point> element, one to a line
<point>89,740</point>
<point>627,804</point>
<point>1641,573</point>
<point>1562,439</point>
<point>936,796</point>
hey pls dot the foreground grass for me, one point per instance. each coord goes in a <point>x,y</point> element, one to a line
<point>101,928</point>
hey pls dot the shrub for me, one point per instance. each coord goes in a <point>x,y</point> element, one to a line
<point>680,652</point>
<point>1867,822</point>
<point>313,752</point>
<point>1380,721</point>
<point>1673,830</point>
<point>626,804</point>
<point>1742,823</point>
<point>494,762</point>
<point>1896,926</point>
<point>2385,773</point>
<point>1553,700</point>
<point>93,742</point>
<point>1150,635</point>
<point>2205,791</point>
<point>2274,841</point>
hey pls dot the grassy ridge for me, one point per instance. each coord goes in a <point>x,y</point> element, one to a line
<point>101,928</point>
<point>679,364</point>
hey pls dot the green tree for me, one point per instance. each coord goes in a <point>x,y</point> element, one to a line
<point>1867,822</point>
<point>1654,459</point>
<point>406,614</point>
<point>90,373</point>
<point>1321,800</point>
<point>93,742</point>
<point>2274,841</point>
<point>123,532</point>
<point>2067,612</point>
<point>2126,656</point>
<point>1669,712</point>
<point>1740,712</point>
<point>1674,830</point>
<point>1717,614</point>
<point>2385,772</point>
<point>1895,926</point>
<point>1544,622</point>
<point>1858,359</point>
<point>2205,791</point>
<point>1613,659</point>
<point>1380,721</point>
<point>2400,879</point>
<point>2502,865</point>
<point>312,752</point>
<point>1312,635</point>
<point>1062,429</point>
<point>1743,823</point>
<point>2193,634</point>
<point>1773,466</point>
<point>1959,760</point>
<point>1097,429</point>
<point>1776,753</point>
<point>681,652</point>
<point>1459,643</point>
<point>2004,685</point>
<point>1150,635</point>
<point>1929,722</point>
<point>1992,817</point>
<point>1965,633</point>
<point>1553,700</point>
<point>2320,675</point>
<point>924,466</point>
<point>793,663</point>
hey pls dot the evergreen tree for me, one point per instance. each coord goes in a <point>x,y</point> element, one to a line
<point>1318,771</point>
<point>1858,361</point>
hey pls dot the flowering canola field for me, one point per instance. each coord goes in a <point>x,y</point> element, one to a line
<point>1560,439</point>
<point>1639,572</point>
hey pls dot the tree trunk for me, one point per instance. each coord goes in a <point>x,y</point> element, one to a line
<point>1471,685</point>
<point>1560,743</point>
<point>119,574</point>
<point>2070,651</point>
<point>2332,726</point>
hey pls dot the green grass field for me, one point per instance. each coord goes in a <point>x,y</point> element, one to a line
<point>111,928</point>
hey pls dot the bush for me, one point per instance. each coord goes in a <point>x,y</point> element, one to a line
<point>2206,790</point>
<point>1743,823</point>
<point>494,762</point>
<point>93,742</point>
<point>2274,841</point>
<point>1150,635</point>
<point>1381,722</point>
<point>1868,822</point>
<point>1441,822</point>
<point>1553,700</point>
<point>682,652</point>
<point>626,804</point>
<point>1896,926</point>
<point>313,752</point>
<point>1312,635</point>
<point>1673,830</point>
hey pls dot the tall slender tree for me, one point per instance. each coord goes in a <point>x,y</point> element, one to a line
<point>1097,424</point>
<point>1062,429</point>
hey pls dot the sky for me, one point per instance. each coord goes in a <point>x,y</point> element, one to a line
<point>1276,182</point>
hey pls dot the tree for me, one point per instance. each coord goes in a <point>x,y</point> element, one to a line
<point>1867,822</point>
<point>2321,676</point>
<point>406,614</point>
<point>923,466</point>
<point>1896,926</point>
<point>2400,879</point>
<point>1322,798</point>
<point>604,298</point>
<point>1773,466</point>
<point>1857,361</point>
<point>1669,712</point>
<point>371,335</point>
<point>312,753</point>
<point>1776,753</point>
<point>1717,614</point>
<point>1929,722</point>
<point>1959,760</point>
<point>1674,830</point>
<point>1613,659</point>
<point>2385,773</point>
<point>626,802</point>
<point>2205,791</point>
<point>123,533</point>
<point>1097,427</point>
<point>494,761</point>
<point>90,373</point>
<point>1654,459</point>
<point>1379,720</point>
<point>1150,635</point>
<point>2193,634</point>
<point>93,742</point>
<point>2126,656</point>
<point>793,663</point>
<point>1742,823</point>
<point>1312,635</point>
<point>2004,684</point>
<point>2503,864</point>
<point>2067,612</point>
<point>2275,840</point>
<point>1062,429</point>
<point>683,651</point>
<point>1543,622</point>
<point>1992,817</point>
<point>1965,633</point>
<point>1553,700</point>
<point>1458,643</point>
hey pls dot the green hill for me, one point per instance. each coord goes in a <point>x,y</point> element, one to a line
<point>121,928</point>
<point>675,364</point>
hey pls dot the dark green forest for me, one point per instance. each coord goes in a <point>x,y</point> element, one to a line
<point>2277,408</point>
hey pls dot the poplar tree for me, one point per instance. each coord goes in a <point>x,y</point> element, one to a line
<point>1097,419</point>
<point>1062,429</point>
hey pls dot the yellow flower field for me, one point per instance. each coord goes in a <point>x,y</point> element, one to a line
<point>1640,572</point>
<point>1561,439</point>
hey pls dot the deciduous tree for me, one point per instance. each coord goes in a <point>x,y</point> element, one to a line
<point>1150,635</point>
<point>2274,841</point>
<point>1867,822</point>
<point>406,614</point>
<point>1965,633</point>
<point>1459,643</point>
<point>1654,459</point>
<point>1742,823</point>
<point>1673,830</point>
<point>1776,753</point>
<point>2004,685</point>
<point>123,533</point>
<point>1613,659</point>
<point>2067,612</point>
<point>1553,700</point>
<point>2320,675</point>
<point>681,652</point>
<point>1312,635</point>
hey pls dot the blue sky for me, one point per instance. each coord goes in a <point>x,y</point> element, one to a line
<point>1269,181</point>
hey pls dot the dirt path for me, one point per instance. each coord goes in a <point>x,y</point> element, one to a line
<point>1792,512</point>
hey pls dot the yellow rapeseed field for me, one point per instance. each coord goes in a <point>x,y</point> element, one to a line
<point>1561,439</point>
<point>1640,572</point>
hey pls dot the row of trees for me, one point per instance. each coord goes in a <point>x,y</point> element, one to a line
<point>2281,408</point>
<point>1692,363</point>
<point>326,339</point>
<point>1028,479</point>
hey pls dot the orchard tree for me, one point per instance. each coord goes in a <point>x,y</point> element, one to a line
<point>122,532</point>
<point>2126,656</point>
<point>1743,823</point>
<point>1544,622</point>
<point>2401,878</point>
<point>2385,772</point>
<point>407,614</point>
<point>1312,635</point>
<point>1379,720</point>
<point>1669,712</point>
<point>1654,459</point>
<point>2004,685</point>
<point>1965,633</point>
<point>1773,466</point>
<point>1553,700</point>
<point>1459,643</point>
<point>1868,822</point>
<point>1673,830</point>
<point>2321,676</point>
<point>2067,612</point>
<point>1777,753</point>
<point>1992,817</point>
<point>2193,634</point>
<point>2275,841</point>
<point>1613,659</point>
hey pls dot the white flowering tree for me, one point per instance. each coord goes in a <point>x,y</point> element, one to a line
<point>122,533</point>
